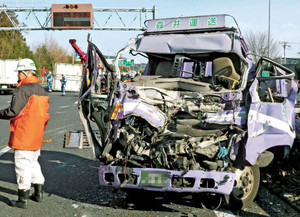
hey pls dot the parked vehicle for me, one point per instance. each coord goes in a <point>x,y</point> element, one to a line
<point>8,75</point>
<point>200,120</point>
<point>73,74</point>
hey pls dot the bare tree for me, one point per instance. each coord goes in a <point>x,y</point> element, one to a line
<point>57,52</point>
<point>50,52</point>
<point>258,44</point>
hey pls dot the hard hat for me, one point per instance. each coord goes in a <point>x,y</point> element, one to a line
<point>26,64</point>
<point>49,73</point>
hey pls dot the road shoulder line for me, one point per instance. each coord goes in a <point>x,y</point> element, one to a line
<point>4,150</point>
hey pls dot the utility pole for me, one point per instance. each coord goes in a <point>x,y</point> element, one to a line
<point>269,28</point>
<point>285,44</point>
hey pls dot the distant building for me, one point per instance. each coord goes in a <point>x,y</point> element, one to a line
<point>291,61</point>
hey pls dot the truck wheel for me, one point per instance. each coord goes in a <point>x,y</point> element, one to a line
<point>140,198</point>
<point>245,187</point>
<point>209,201</point>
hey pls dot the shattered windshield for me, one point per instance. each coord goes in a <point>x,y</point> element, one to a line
<point>195,72</point>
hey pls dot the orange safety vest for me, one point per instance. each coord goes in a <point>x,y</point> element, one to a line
<point>27,129</point>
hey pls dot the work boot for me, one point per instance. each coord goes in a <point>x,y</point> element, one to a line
<point>22,201</point>
<point>38,193</point>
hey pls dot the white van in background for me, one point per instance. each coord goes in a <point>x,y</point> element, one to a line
<point>8,75</point>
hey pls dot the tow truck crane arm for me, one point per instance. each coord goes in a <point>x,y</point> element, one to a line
<point>82,55</point>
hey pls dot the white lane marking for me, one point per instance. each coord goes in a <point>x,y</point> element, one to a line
<point>4,150</point>
<point>63,131</point>
<point>65,106</point>
<point>226,213</point>
<point>59,128</point>
<point>60,112</point>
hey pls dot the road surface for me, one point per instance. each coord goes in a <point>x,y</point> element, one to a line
<point>72,188</point>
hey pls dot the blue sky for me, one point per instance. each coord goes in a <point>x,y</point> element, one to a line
<point>251,15</point>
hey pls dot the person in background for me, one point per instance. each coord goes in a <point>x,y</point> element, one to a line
<point>63,84</point>
<point>28,115</point>
<point>49,81</point>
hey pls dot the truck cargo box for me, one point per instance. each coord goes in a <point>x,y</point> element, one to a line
<point>73,74</point>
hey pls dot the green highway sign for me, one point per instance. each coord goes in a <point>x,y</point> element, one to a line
<point>125,62</point>
<point>128,62</point>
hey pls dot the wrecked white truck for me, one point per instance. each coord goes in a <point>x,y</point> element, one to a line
<point>200,119</point>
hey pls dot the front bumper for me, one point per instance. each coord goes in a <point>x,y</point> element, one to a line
<point>162,180</point>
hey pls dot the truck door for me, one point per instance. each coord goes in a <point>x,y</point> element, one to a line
<point>271,120</point>
<point>94,107</point>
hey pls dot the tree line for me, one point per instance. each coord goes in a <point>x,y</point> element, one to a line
<point>13,46</point>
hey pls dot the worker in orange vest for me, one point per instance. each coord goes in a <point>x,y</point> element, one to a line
<point>28,115</point>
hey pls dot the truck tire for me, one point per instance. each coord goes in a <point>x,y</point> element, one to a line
<point>209,201</point>
<point>245,188</point>
<point>140,198</point>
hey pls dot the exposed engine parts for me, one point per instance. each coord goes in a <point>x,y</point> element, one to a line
<point>139,144</point>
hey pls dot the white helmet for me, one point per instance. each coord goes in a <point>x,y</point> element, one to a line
<point>26,64</point>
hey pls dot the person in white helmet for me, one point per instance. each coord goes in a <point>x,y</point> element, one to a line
<point>49,81</point>
<point>28,115</point>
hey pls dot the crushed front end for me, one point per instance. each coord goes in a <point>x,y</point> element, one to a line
<point>183,125</point>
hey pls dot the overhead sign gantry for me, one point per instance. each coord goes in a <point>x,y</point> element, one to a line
<point>76,16</point>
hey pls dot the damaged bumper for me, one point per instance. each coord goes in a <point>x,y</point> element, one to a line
<point>162,180</point>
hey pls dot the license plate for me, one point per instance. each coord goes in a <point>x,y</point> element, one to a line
<point>154,179</point>
<point>4,86</point>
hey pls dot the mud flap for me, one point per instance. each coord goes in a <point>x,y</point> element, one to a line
<point>264,159</point>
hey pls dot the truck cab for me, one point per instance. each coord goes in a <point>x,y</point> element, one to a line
<point>200,119</point>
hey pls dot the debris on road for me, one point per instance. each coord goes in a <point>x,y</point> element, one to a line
<point>76,139</point>
<point>283,178</point>
<point>75,206</point>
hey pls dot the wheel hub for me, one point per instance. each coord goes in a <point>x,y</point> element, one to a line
<point>244,182</point>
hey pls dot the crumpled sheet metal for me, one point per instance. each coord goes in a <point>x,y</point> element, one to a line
<point>269,124</point>
<point>236,116</point>
<point>134,107</point>
<point>224,181</point>
<point>185,43</point>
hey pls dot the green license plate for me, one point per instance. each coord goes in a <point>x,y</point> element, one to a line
<point>154,179</point>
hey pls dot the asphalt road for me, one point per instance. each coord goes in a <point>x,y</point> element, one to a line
<point>72,188</point>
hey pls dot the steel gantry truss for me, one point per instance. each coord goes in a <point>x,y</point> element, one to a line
<point>122,19</point>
